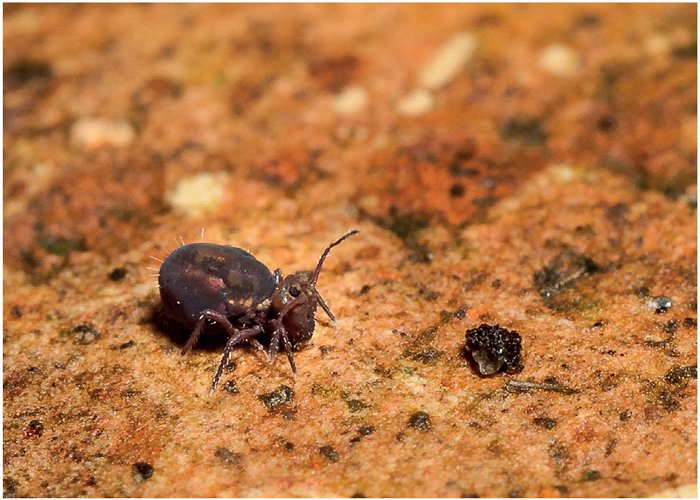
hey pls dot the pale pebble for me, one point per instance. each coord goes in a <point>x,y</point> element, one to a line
<point>416,103</point>
<point>351,100</point>
<point>199,194</point>
<point>91,133</point>
<point>560,60</point>
<point>448,61</point>
<point>658,44</point>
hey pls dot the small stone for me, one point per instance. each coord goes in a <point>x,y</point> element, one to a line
<point>420,420</point>
<point>85,334</point>
<point>281,396</point>
<point>366,430</point>
<point>658,44</point>
<point>92,133</point>
<point>448,61</point>
<point>35,429</point>
<point>416,103</point>
<point>560,60</point>
<point>231,387</point>
<point>660,304</point>
<point>494,348</point>
<point>351,100</point>
<point>199,194</point>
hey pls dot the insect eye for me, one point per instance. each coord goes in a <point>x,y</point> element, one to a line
<point>294,291</point>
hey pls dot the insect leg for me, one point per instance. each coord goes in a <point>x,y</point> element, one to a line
<point>325,307</point>
<point>207,314</point>
<point>275,341</point>
<point>238,337</point>
<point>288,350</point>
<point>256,343</point>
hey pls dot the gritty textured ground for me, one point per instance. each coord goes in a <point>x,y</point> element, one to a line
<point>526,166</point>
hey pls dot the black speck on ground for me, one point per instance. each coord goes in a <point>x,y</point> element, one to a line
<point>227,456</point>
<point>493,348</point>
<point>281,396</point>
<point>420,420</point>
<point>142,471</point>
<point>330,453</point>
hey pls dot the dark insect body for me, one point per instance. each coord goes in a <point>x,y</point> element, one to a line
<point>205,283</point>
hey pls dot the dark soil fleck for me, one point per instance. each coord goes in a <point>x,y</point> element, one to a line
<point>228,457</point>
<point>117,274</point>
<point>546,422</point>
<point>329,453</point>
<point>562,272</point>
<point>325,349</point>
<point>231,387</point>
<point>85,334</point>
<point>529,131</point>
<point>61,246</point>
<point>407,226</point>
<point>283,395</point>
<point>34,429</point>
<point>677,374</point>
<point>426,356</point>
<point>9,487</point>
<point>457,190</point>
<point>591,475</point>
<point>690,323</point>
<point>366,430</point>
<point>355,405</point>
<point>27,70</point>
<point>668,402</point>
<point>142,471</point>
<point>670,326</point>
<point>420,420</point>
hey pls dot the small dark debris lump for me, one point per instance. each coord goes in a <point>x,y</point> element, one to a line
<point>494,349</point>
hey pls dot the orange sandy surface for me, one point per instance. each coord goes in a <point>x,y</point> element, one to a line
<point>531,166</point>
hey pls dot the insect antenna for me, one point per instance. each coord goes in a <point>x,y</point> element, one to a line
<point>325,253</point>
<point>314,278</point>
